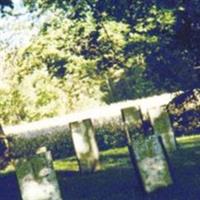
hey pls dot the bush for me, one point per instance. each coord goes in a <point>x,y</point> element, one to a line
<point>108,137</point>
<point>184,112</point>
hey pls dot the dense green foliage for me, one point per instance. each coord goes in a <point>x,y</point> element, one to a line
<point>185,113</point>
<point>92,52</point>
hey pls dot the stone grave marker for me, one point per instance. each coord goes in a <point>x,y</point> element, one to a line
<point>36,177</point>
<point>146,152</point>
<point>131,117</point>
<point>152,163</point>
<point>162,126</point>
<point>85,145</point>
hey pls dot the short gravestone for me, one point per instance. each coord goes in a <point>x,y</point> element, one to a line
<point>85,145</point>
<point>36,177</point>
<point>147,153</point>
<point>162,126</point>
<point>132,119</point>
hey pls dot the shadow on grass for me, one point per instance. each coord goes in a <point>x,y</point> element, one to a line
<point>9,187</point>
<point>117,181</point>
<point>109,184</point>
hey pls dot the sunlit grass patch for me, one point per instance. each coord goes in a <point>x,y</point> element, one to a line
<point>69,164</point>
<point>190,138</point>
<point>10,168</point>
<point>189,141</point>
<point>117,157</point>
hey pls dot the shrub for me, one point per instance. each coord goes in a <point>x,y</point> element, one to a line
<point>184,112</point>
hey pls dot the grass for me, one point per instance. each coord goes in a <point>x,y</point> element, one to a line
<point>115,181</point>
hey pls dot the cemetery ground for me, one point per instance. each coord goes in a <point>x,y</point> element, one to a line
<point>115,180</point>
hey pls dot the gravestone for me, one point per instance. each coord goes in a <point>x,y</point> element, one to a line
<point>162,126</point>
<point>132,120</point>
<point>85,145</point>
<point>36,177</point>
<point>146,152</point>
<point>152,163</point>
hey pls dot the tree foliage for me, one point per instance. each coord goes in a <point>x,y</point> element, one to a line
<point>93,52</point>
<point>174,25</point>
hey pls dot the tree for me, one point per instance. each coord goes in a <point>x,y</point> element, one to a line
<point>106,51</point>
<point>119,41</point>
<point>175,24</point>
<point>172,65</point>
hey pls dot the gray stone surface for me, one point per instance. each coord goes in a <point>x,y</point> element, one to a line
<point>161,125</point>
<point>146,152</point>
<point>37,179</point>
<point>151,162</point>
<point>132,122</point>
<point>85,145</point>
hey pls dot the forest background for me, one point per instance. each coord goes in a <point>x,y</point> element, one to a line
<point>64,56</point>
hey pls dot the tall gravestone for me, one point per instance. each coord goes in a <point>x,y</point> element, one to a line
<point>147,153</point>
<point>162,126</point>
<point>85,145</point>
<point>36,177</point>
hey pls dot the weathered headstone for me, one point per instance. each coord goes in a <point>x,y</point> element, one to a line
<point>152,163</point>
<point>85,145</point>
<point>147,153</point>
<point>162,126</point>
<point>36,177</point>
<point>132,122</point>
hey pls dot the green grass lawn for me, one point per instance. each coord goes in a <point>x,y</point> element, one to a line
<point>115,181</point>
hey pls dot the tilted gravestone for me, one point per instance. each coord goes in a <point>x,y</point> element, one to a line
<point>152,163</point>
<point>147,153</point>
<point>36,177</point>
<point>162,126</point>
<point>85,145</point>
